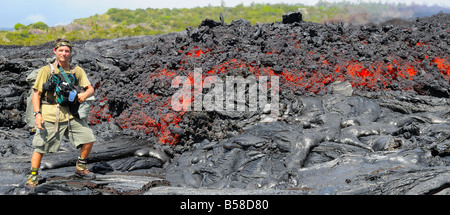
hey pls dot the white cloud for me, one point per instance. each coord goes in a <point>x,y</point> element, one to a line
<point>33,18</point>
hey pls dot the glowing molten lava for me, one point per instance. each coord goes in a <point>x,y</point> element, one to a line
<point>374,76</point>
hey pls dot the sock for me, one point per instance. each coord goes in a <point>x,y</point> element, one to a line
<point>82,160</point>
<point>34,171</point>
<point>82,163</point>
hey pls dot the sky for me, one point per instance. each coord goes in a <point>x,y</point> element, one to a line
<point>60,12</point>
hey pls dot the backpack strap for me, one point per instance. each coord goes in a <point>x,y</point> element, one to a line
<point>52,68</point>
<point>63,73</point>
<point>61,70</point>
<point>58,108</point>
<point>44,99</point>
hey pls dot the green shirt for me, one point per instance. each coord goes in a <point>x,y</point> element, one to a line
<point>48,110</point>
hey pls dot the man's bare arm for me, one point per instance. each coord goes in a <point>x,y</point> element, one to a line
<point>36,100</point>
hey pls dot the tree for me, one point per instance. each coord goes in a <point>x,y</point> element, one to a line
<point>19,26</point>
<point>39,25</point>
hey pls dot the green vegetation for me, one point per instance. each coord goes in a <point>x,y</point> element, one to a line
<point>117,23</point>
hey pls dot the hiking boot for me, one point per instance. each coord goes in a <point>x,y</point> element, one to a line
<point>32,180</point>
<point>85,174</point>
<point>82,170</point>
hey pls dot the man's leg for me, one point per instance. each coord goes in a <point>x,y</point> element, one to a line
<point>32,179</point>
<point>81,168</point>
<point>36,159</point>
<point>81,136</point>
<point>86,150</point>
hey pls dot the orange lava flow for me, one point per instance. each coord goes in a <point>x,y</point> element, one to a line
<point>374,76</point>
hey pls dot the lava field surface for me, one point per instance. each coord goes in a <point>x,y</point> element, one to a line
<point>361,109</point>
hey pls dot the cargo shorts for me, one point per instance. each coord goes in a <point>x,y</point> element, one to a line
<point>77,131</point>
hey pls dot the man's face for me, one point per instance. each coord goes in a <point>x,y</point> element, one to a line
<point>62,53</point>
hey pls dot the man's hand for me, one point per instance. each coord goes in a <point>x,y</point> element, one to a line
<point>39,122</point>
<point>84,95</point>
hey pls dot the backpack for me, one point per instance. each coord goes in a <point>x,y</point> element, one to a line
<point>29,118</point>
<point>65,88</point>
